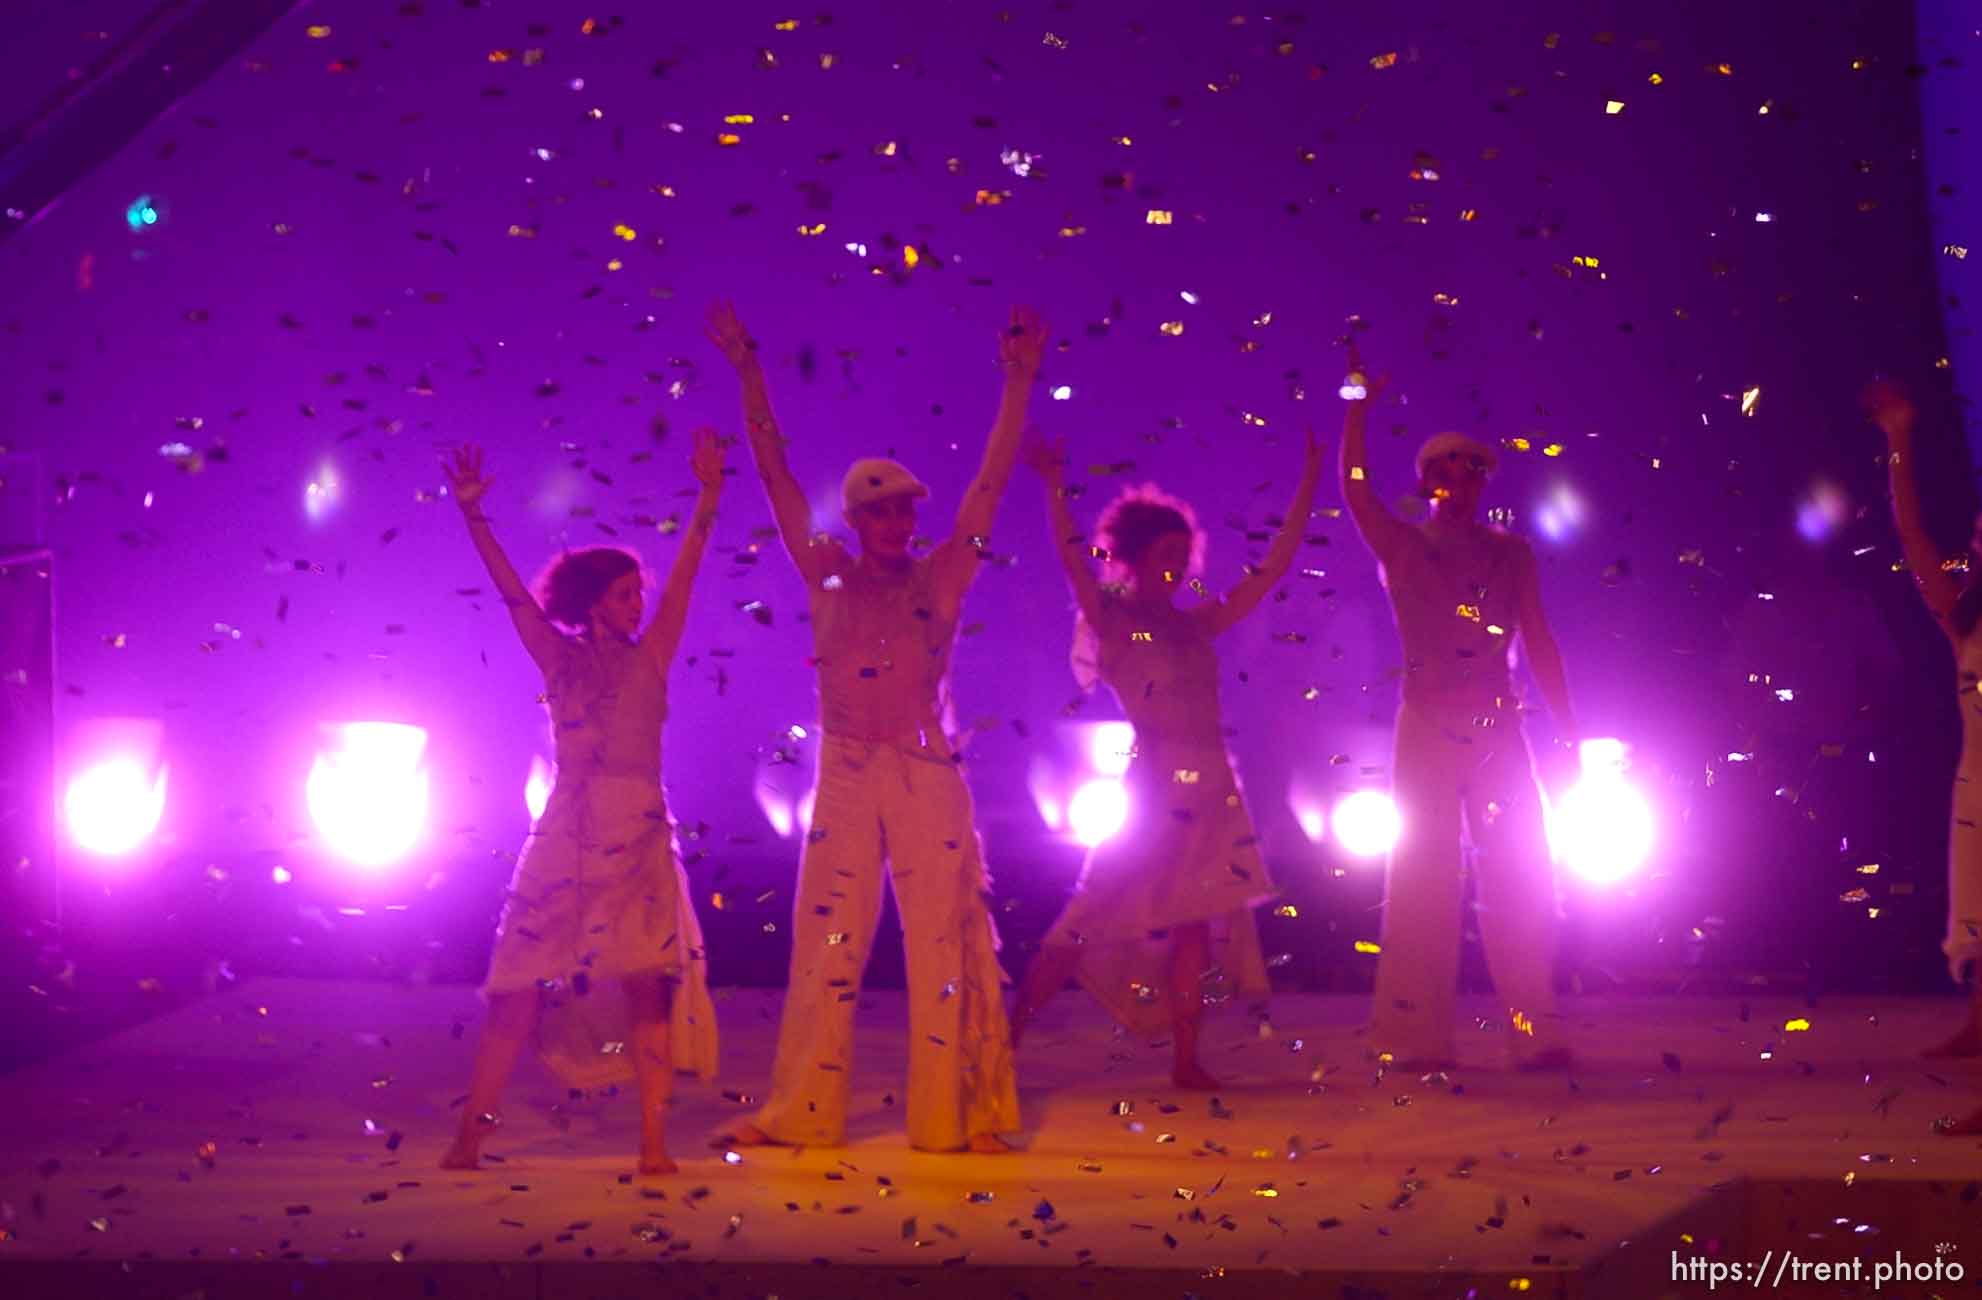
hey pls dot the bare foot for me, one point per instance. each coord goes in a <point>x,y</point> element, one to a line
<point>462,1155</point>
<point>990,1144</point>
<point>1193,1078</point>
<point>1964,1044</point>
<point>749,1135</point>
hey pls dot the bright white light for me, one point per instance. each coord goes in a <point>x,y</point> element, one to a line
<point>1602,830</point>
<point>1355,387</point>
<point>1098,810</point>
<point>114,807</point>
<point>1366,824</point>
<point>1313,824</point>
<point>1108,746</point>
<point>1063,392</point>
<point>1188,296</point>
<point>805,802</point>
<point>1601,753</point>
<point>368,796</point>
<point>1561,515</point>
<point>537,788</point>
<point>322,492</point>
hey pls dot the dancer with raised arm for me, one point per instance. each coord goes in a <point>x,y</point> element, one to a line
<point>1957,607</point>
<point>1167,900</point>
<point>599,922</point>
<point>1462,591</point>
<point>884,621</point>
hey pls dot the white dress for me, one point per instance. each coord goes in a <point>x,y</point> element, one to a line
<point>599,893</point>
<point>1187,851</point>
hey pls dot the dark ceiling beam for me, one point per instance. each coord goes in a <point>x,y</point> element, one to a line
<point>83,123</point>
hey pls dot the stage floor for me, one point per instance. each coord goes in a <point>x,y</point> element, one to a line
<point>298,1123</point>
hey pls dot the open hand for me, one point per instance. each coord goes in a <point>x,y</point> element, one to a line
<point>729,335</point>
<point>1890,408</point>
<point>707,458</point>
<point>1046,459</point>
<point>1022,345</point>
<point>464,474</point>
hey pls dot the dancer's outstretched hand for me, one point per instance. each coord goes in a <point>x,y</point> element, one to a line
<point>1022,345</point>
<point>707,458</point>
<point>729,335</point>
<point>464,474</point>
<point>1890,408</point>
<point>1046,459</point>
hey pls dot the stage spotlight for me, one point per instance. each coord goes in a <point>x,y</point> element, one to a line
<point>114,806</point>
<point>1602,830</point>
<point>1108,747</point>
<point>368,794</point>
<point>537,789</point>
<point>1098,810</point>
<point>1366,824</point>
<point>1314,824</point>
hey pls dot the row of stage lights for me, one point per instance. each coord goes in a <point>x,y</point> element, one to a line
<point>367,793</point>
<point>1602,829</point>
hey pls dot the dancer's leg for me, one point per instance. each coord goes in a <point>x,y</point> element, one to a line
<point>1047,975</point>
<point>512,1017</point>
<point>1515,893</point>
<point>1417,973</point>
<point>1190,958</point>
<point>649,1000</point>
<point>834,915</point>
<point>962,1091</point>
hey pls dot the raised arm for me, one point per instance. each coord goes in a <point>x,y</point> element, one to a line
<point>1893,412</point>
<point>468,484</point>
<point>1538,644</point>
<point>814,555</point>
<point>1380,530</point>
<point>1021,348</point>
<point>663,635</point>
<point>1049,461</point>
<point>1250,590</point>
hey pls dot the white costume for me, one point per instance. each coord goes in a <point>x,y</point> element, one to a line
<point>889,785</point>
<point>599,893</point>
<point>1459,749</point>
<point>1963,944</point>
<point>1188,851</point>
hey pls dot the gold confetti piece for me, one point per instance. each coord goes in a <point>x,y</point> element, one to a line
<point>740,119</point>
<point>886,149</point>
<point>615,265</point>
<point>1613,106</point>
<point>909,256</point>
<point>1122,140</point>
<point>786,25</point>
<point>819,229</point>
<point>1287,909</point>
<point>626,232</point>
<point>728,138</point>
<point>827,60</point>
<point>1057,42</point>
<point>1655,79</point>
<point>1959,252</point>
<point>1382,61</point>
<point>1518,444</point>
<point>1553,449</point>
<point>1469,612</point>
<point>1445,299</point>
<point>1869,869</point>
<point>501,56</point>
<point>1258,421</point>
<point>1796,1026</point>
<point>1071,232</point>
<point>319,31</point>
<point>1495,629</point>
<point>1749,397</point>
<point>992,198</point>
<point>1365,946</point>
<point>1725,69</point>
<point>1158,217</point>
